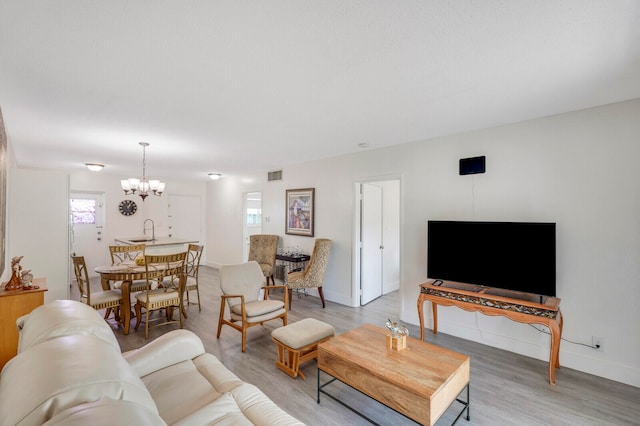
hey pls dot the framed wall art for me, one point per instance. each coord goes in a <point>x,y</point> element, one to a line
<point>299,212</point>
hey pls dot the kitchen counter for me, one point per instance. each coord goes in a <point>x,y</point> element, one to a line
<point>161,245</point>
<point>159,241</point>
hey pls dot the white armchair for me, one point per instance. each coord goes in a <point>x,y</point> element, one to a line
<point>241,286</point>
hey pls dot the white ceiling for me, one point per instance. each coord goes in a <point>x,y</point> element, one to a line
<point>232,86</point>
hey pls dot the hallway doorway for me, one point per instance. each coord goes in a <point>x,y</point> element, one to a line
<point>377,239</point>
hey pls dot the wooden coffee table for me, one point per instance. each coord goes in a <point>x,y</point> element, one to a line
<point>420,382</point>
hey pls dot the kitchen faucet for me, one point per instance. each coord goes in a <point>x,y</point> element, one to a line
<point>153,229</point>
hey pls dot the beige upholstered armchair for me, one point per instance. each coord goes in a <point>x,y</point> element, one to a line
<point>313,274</point>
<point>262,249</point>
<point>241,286</point>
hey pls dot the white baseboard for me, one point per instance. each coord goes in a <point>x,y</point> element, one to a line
<point>528,342</point>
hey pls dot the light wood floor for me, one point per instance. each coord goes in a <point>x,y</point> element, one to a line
<point>506,388</point>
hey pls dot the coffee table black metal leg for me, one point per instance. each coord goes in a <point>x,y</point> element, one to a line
<point>466,403</point>
<point>466,408</point>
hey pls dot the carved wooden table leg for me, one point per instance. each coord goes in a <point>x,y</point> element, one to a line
<point>434,308</point>
<point>420,316</point>
<point>560,319</point>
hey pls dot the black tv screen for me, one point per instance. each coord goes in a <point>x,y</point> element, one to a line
<point>518,256</point>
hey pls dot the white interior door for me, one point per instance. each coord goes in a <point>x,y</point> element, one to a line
<point>372,244</point>
<point>86,229</point>
<point>185,217</point>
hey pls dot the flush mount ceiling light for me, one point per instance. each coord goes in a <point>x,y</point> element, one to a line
<point>94,167</point>
<point>214,176</point>
<point>142,187</point>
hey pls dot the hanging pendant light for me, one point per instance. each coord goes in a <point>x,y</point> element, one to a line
<point>142,187</point>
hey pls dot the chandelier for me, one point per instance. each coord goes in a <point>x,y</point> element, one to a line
<point>142,187</point>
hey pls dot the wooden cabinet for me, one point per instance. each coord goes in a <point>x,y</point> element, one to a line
<point>14,304</point>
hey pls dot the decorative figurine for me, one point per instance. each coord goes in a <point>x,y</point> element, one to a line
<point>14,282</point>
<point>396,330</point>
<point>397,340</point>
<point>20,279</point>
<point>26,278</point>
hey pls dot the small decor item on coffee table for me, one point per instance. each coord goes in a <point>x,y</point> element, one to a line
<point>397,340</point>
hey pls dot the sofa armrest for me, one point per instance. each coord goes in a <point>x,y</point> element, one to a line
<point>168,349</point>
<point>62,318</point>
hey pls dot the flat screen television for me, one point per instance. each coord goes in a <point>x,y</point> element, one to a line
<point>518,256</point>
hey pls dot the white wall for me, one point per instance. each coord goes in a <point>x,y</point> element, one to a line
<point>37,227</point>
<point>38,218</point>
<point>577,169</point>
<point>155,208</point>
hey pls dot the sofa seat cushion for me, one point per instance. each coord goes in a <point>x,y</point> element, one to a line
<point>107,412</point>
<point>259,409</point>
<point>188,386</point>
<point>204,391</point>
<point>223,411</point>
<point>62,373</point>
<point>62,318</point>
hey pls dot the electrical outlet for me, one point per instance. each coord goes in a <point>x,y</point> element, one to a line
<point>596,343</point>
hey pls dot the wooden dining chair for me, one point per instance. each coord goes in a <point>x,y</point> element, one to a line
<point>106,299</point>
<point>127,254</point>
<point>158,268</point>
<point>194,254</point>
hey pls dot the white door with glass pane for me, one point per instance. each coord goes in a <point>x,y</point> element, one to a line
<point>86,229</point>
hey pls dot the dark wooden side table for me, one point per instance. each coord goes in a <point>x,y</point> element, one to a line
<point>289,263</point>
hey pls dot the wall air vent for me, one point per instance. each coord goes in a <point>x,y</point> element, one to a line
<point>274,175</point>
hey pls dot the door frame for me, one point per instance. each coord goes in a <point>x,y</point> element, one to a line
<point>357,215</point>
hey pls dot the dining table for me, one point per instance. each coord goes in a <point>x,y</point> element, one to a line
<point>127,272</point>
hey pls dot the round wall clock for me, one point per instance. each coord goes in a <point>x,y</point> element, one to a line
<point>127,207</point>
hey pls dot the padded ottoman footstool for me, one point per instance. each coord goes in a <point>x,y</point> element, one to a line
<point>297,343</point>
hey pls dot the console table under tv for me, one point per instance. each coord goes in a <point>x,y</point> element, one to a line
<point>521,307</point>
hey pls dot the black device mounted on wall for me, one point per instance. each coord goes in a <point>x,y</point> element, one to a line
<point>472,165</point>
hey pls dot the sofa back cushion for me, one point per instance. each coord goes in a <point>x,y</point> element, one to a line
<point>62,318</point>
<point>61,373</point>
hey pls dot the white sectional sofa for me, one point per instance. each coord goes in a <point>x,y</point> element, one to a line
<point>69,371</point>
